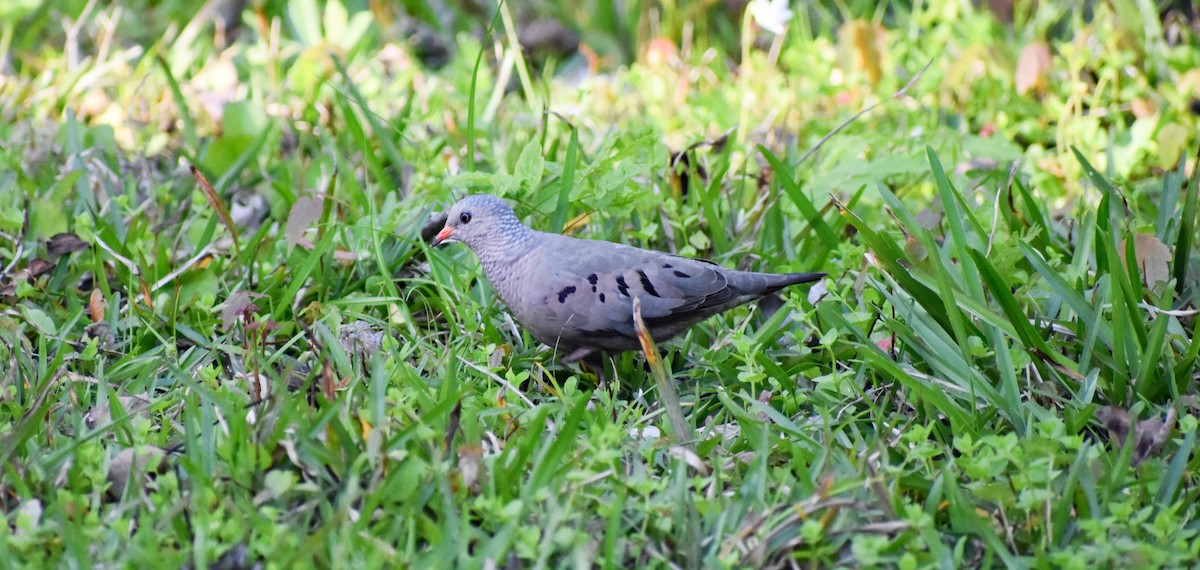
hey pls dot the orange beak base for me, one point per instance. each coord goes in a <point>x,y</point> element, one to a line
<point>442,236</point>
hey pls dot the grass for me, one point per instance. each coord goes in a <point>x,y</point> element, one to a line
<point>271,366</point>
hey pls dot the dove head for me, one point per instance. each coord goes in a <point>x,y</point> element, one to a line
<point>487,225</point>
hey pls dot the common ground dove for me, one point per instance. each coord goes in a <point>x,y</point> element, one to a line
<point>577,295</point>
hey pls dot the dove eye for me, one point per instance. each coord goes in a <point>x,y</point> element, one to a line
<point>465,217</point>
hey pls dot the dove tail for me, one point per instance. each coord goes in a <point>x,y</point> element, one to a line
<point>782,280</point>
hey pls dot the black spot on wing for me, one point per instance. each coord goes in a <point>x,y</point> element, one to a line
<point>679,273</point>
<point>667,266</point>
<point>602,297</point>
<point>565,292</point>
<point>592,279</point>
<point>622,287</point>
<point>646,284</point>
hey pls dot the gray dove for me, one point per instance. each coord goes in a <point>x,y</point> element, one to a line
<point>577,294</point>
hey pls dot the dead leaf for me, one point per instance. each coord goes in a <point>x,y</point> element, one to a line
<point>577,223</point>
<point>1153,258</point>
<point>360,337</point>
<point>304,212</point>
<point>96,306</point>
<point>146,295</point>
<point>36,268</point>
<point>1142,107</point>
<point>101,331</point>
<point>861,47</point>
<point>344,256</point>
<point>690,458</point>
<point>217,203</point>
<point>133,463</point>
<point>58,244</point>
<point>236,558</point>
<point>470,465</point>
<point>1033,68</point>
<point>101,414</point>
<point>237,306</point>
<point>1150,434</point>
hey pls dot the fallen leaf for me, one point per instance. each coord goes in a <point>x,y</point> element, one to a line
<point>690,458</point>
<point>217,203</point>
<point>101,414</point>
<point>236,558</point>
<point>1033,68</point>
<point>1149,434</point>
<point>96,306</point>
<point>58,244</point>
<point>36,268</point>
<point>344,256</point>
<point>133,463</point>
<point>304,212</point>
<point>470,465</point>
<point>861,47</point>
<point>1153,258</point>
<point>360,337</point>
<point>237,306</point>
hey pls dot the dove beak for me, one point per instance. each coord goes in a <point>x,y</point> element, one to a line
<point>447,234</point>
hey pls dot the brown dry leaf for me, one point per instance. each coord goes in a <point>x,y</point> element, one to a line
<point>344,256</point>
<point>1142,107</point>
<point>99,415</point>
<point>329,383</point>
<point>1153,258</point>
<point>135,463</point>
<point>690,458</point>
<point>96,306</point>
<point>59,244</point>
<point>217,203</point>
<point>577,223</point>
<point>100,331</point>
<point>146,298</point>
<point>470,465</point>
<point>304,212</point>
<point>1150,433</point>
<point>36,268</point>
<point>860,47</point>
<point>360,337</point>
<point>1033,68</point>
<point>236,306</point>
<point>236,558</point>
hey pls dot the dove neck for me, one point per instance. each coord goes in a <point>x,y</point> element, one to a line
<point>508,246</point>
